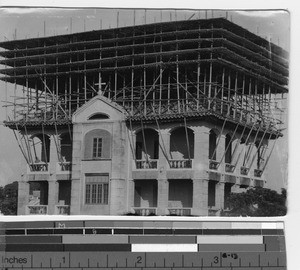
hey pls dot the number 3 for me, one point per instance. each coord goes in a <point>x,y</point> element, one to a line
<point>216,259</point>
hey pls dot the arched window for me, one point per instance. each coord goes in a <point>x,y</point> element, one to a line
<point>98,116</point>
<point>97,144</point>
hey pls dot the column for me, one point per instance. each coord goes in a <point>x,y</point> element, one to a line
<point>76,197</point>
<point>54,158</point>
<point>200,197</point>
<point>164,152</point>
<point>220,195</point>
<point>23,196</point>
<point>201,137</point>
<point>52,196</point>
<point>162,196</point>
<point>117,196</point>
<point>221,151</point>
<point>131,187</point>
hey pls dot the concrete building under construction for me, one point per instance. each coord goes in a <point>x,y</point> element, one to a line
<point>163,118</point>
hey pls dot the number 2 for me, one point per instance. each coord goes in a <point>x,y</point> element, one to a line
<point>139,259</point>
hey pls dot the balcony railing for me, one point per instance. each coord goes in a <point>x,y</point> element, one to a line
<point>258,173</point>
<point>229,168</point>
<point>213,165</point>
<point>37,209</point>
<point>244,170</point>
<point>64,166</point>
<point>38,167</point>
<point>180,163</point>
<point>146,164</point>
<point>62,209</point>
<point>180,211</point>
<point>213,211</point>
<point>142,211</point>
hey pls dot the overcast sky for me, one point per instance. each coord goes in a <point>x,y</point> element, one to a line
<point>23,23</point>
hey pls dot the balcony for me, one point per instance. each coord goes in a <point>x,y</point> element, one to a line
<point>146,164</point>
<point>142,211</point>
<point>213,165</point>
<point>40,167</point>
<point>229,168</point>
<point>180,211</point>
<point>37,209</point>
<point>180,163</point>
<point>64,167</point>
<point>258,173</point>
<point>62,209</point>
<point>244,170</point>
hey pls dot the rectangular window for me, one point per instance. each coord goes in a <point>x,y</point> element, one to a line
<point>97,147</point>
<point>96,189</point>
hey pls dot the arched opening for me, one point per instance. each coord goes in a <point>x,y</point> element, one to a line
<point>41,147</point>
<point>147,148</point>
<point>98,116</point>
<point>228,149</point>
<point>97,144</point>
<point>66,147</point>
<point>39,152</point>
<point>212,153</point>
<point>181,148</point>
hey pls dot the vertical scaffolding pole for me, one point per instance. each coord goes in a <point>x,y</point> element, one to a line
<point>100,73</point>
<point>254,99</point>
<point>84,73</point>
<point>222,93</point>
<point>235,96</point>
<point>45,80</point>
<point>169,91</point>
<point>36,98</point>
<point>56,87</point>
<point>229,93</point>
<point>27,94</point>
<point>210,82</point>
<point>132,66</point>
<point>186,92</point>
<point>177,77</point>
<point>160,72</point>
<point>70,95</point>
<point>116,65</point>
<point>242,98</point>
<point>198,68</point>
<point>15,88</point>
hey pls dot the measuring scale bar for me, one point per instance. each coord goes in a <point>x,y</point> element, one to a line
<point>144,260</point>
<point>142,243</point>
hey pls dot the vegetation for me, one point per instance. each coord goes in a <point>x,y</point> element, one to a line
<point>9,199</point>
<point>257,202</point>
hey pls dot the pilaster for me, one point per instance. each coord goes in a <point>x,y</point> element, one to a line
<point>200,197</point>
<point>52,196</point>
<point>162,196</point>
<point>220,195</point>
<point>23,196</point>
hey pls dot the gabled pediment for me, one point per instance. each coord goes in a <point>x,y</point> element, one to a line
<point>99,108</point>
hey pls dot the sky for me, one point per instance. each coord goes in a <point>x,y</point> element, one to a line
<point>22,23</point>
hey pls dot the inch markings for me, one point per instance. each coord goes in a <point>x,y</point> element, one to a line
<point>141,260</point>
